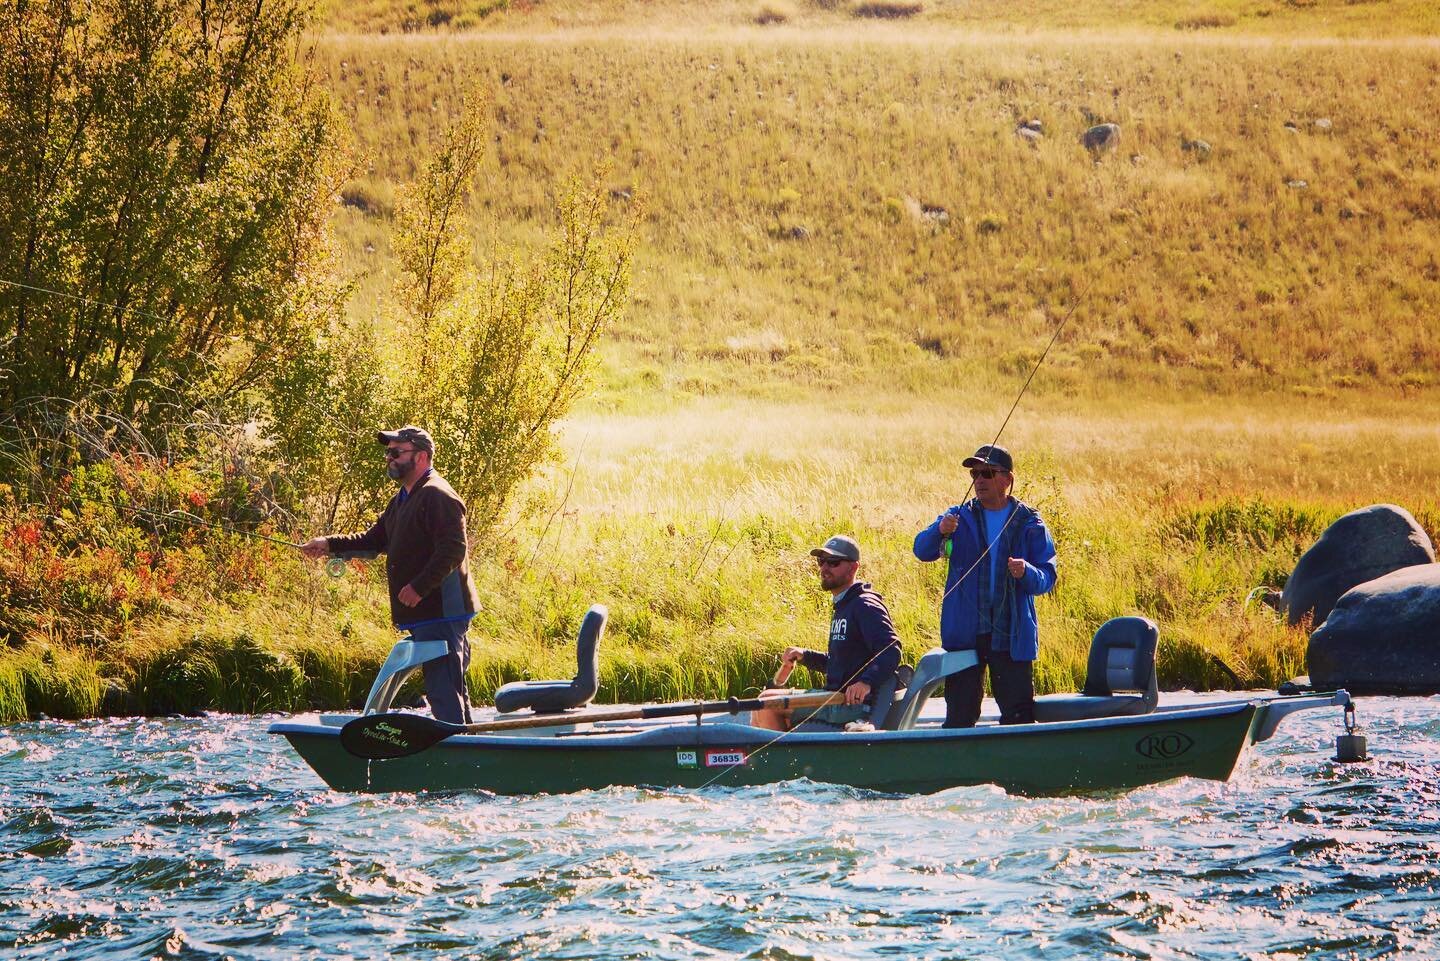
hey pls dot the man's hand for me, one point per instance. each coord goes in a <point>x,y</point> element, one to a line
<point>315,548</point>
<point>407,596</point>
<point>1016,566</point>
<point>857,693</point>
<point>948,523</point>
<point>792,656</point>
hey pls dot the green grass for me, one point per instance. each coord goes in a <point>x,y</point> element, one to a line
<point>1235,342</point>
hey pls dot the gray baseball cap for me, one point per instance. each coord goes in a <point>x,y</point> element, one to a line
<point>409,434</point>
<point>839,546</point>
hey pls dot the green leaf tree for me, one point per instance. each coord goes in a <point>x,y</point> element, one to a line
<point>164,185</point>
<point>489,360</point>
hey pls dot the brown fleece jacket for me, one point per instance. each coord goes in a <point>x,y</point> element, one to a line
<point>423,540</point>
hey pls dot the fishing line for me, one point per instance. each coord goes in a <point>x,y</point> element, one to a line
<point>985,552</point>
<point>1055,336</point>
<point>83,300</point>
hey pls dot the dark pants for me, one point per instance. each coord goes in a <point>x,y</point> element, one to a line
<point>445,688</point>
<point>1011,682</point>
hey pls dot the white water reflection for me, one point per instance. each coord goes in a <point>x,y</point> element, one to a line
<point>209,839</point>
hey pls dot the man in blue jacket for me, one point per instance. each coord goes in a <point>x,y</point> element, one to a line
<point>1001,557</point>
<point>863,652</point>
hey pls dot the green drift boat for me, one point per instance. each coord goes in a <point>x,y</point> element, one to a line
<point>1101,740</point>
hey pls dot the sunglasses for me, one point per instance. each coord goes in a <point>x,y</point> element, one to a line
<point>831,561</point>
<point>392,453</point>
<point>985,473</point>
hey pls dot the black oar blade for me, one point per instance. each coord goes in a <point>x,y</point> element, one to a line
<point>379,737</point>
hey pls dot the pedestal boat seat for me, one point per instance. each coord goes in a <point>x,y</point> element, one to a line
<point>1119,678</point>
<point>550,697</point>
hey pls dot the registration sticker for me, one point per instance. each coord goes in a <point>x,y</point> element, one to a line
<point>686,759</point>
<point>724,758</point>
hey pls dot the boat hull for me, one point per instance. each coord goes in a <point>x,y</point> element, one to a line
<point>1059,758</point>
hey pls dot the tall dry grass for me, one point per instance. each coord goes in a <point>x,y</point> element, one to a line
<point>836,205</point>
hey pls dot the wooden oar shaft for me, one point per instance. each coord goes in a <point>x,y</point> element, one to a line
<point>731,706</point>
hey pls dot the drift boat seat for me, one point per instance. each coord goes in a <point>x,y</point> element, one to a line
<point>1122,659</point>
<point>549,697</point>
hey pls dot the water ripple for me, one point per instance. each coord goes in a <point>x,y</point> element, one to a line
<point>208,839</point>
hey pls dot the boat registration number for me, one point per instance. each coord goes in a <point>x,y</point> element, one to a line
<point>712,758</point>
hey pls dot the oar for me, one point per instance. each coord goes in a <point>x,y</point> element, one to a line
<point>379,737</point>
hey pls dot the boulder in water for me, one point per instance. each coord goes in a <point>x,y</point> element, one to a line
<point>1383,636</point>
<point>1359,547</point>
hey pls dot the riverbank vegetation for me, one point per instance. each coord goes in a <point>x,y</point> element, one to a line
<point>839,259</point>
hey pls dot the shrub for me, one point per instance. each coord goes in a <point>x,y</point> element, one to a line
<point>236,674</point>
<point>887,9</point>
<point>771,13</point>
<point>1205,21</point>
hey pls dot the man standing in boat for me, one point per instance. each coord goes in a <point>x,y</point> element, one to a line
<point>422,534</point>
<point>863,652</point>
<point>1001,557</point>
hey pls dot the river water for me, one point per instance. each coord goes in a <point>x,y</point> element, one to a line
<point>209,839</point>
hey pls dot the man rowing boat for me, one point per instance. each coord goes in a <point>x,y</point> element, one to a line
<point>864,650</point>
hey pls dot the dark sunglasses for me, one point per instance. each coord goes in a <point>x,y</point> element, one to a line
<point>391,453</point>
<point>985,473</point>
<point>831,561</point>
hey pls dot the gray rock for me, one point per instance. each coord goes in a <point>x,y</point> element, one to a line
<point>1029,134</point>
<point>1297,184</point>
<point>1323,123</point>
<point>1101,138</point>
<point>1034,125</point>
<point>1383,636</point>
<point>798,232</point>
<point>1359,547</point>
<point>1199,148</point>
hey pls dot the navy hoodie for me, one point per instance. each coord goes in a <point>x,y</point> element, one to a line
<point>863,642</point>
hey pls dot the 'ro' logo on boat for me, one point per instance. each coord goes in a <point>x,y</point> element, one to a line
<point>1164,746</point>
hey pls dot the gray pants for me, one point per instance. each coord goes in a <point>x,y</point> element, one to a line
<point>445,687</point>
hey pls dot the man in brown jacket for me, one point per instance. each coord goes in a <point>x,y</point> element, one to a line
<point>422,534</point>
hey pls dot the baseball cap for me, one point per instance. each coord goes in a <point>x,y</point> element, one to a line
<point>409,434</point>
<point>990,455</point>
<point>839,546</point>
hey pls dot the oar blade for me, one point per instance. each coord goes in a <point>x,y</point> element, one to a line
<point>380,737</point>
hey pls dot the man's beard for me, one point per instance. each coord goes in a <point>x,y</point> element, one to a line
<point>395,471</point>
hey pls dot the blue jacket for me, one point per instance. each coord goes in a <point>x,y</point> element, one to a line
<point>960,611</point>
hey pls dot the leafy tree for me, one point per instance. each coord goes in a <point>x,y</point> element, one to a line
<point>489,360</point>
<point>163,189</point>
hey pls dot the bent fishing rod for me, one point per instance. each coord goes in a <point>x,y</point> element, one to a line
<point>782,675</point>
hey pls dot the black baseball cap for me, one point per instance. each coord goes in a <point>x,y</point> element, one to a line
<point>991,455</point>
<point>408,434</point>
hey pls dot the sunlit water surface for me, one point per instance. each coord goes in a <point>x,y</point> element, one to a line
<point>210,839</point>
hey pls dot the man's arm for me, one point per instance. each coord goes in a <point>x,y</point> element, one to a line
<point>880,637</point>
<point>930,543</point>
<point>1039,576</point>
<point>373,541</point>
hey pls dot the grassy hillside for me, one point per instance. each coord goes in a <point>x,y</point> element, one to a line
<point>849,262</point>
<point>830,206</point>
<point>1279,17</point>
